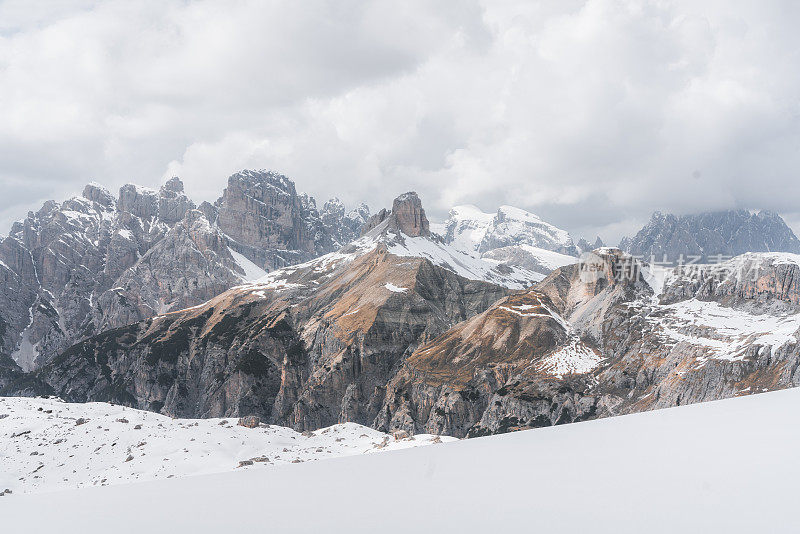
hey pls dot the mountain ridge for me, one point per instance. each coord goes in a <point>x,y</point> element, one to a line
<point>709,235</point>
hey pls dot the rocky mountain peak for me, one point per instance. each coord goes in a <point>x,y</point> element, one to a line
<point>97,193</point>
<point>334,208</point>
<point>259,182</point>
<point>359,213</point>
<point>137,200</point>
<point>174,184</point>
<point>91,262</point>
<point>408,215</point>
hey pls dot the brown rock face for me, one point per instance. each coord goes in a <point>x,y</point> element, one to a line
<point>316,349</point>
<point>408,216</point>
<point>500,370</point>
<point>622,352</point>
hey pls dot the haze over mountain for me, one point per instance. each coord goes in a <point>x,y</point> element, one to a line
<point>706,235</point>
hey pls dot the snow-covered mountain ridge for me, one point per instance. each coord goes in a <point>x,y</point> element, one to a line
<point>470,229</point>
<point>511,235</point>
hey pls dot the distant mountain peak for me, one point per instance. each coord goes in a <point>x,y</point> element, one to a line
<point>470,229</point>
<point>709,234</point>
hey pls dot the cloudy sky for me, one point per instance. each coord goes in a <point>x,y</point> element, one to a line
<point>591,114</point>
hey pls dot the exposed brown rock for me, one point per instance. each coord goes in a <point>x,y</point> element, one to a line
<point>408,215</point>
<point>249,421</point>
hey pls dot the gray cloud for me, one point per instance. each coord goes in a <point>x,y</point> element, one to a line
<point>592,114</point>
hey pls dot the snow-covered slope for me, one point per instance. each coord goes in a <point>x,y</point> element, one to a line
<point>472,230</point>
<point>51,445</point>
<point>466,227</point>
<point>726,466</point>
<point>534,259</point>
<point>466,264</point>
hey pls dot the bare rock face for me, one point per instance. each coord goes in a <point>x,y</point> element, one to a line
<point>98,194</point>
<point>141,202</point>
<point>194,261</point>
<point>584,345</point>
<point>262,213</point>
<point>172,202</point>
<point>315,349</point>
<point>408,216</point>
<point>755,280</point>
<point>496,372</point>
<point>267,221</point>
<point>375,220</point>
<point>343,226</point>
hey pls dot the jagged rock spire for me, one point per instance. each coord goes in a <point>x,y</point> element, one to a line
<point>407,216</point>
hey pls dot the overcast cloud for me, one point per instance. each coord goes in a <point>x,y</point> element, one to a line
<point>591,114</point>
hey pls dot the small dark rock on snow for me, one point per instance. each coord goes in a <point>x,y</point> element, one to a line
<point>250,421</point>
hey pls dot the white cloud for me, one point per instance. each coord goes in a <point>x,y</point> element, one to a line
<point>592,114</point>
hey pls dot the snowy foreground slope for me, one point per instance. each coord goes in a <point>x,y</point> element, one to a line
<point>47,444</point>
<point>724,466</point>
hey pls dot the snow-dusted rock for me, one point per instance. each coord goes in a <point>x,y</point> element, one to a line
<point>305,346</point>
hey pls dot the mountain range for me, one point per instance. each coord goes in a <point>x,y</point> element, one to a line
<point>401,331</point>
<point>99,261</point>
<point>481,325</point>
<point>710,236</point>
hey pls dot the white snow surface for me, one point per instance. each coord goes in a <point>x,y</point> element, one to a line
<point>43,449</point>
<point>725,332</point>
<point>574,358</point>
<point>464,264</point>
<point>251,270</point>
<point>724,466</point>
<point>468,225</point>
<point>395,289</point>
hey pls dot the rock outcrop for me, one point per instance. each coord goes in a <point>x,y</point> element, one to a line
<point>408,216</point>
